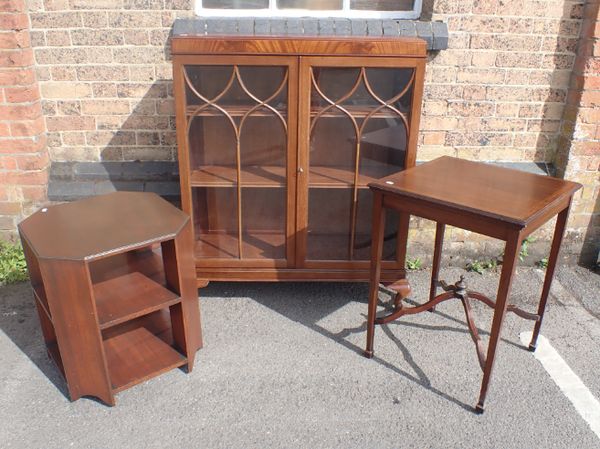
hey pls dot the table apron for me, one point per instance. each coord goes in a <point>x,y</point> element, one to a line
<point>443,214</point>
<point>548,213</point>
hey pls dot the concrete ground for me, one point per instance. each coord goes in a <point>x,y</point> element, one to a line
<point>282,367</point>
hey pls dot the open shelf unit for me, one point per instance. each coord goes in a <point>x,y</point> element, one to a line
<point>134,354</point>
<point>115,308</point>
<point>278,141</point>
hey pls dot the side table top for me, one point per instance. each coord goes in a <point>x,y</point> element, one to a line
<point>501,193</point>
<point>102,225</point>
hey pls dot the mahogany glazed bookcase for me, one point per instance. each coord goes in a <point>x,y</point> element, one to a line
<point>278,139</point>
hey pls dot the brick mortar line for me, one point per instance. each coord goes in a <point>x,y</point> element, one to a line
<point>19,103</point>
<point>13,86</point>
<point>490,85</point>
<point>495,69</point>
<point>34,138</point>
<point>14,50</point>
<point>445,17</point>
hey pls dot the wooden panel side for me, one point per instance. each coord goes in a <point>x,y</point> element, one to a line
<point>183,150</point>
<point>69,290</point>
<point>304,83</point>
<point>180,272</point>
<point>292,161</point>
<point>415,114</point>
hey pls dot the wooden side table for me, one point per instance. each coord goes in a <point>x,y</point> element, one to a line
<point>113,312</point>
<point>494,201</point>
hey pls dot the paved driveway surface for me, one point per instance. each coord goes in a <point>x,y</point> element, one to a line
<point>282,367</point>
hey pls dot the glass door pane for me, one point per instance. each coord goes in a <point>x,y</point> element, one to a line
<point>238,140</point>
<point>358,133</point>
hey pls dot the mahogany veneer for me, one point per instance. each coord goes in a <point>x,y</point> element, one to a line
<point>494,201</point>
<point>278,138</point>
<point>114,312</point>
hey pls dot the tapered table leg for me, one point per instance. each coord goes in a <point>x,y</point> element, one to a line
<point>437,257</point>
<point>559,231</point>
<point>376,251</point>
<point>401,246</point>
<point>511,254</point>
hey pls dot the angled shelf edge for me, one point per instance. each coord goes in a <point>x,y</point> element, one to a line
<point>138,355</point>
<point>129,296</point>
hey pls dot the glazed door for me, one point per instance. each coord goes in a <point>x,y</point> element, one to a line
<point>355,127</point>
<point>240,134</point>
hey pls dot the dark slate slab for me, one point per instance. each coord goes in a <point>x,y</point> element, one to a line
<point>310,26</point>
<point>407,28</point>
<point>293,26</point>
<point>163,188</point>
<point>440,35</point>
<point>216,25</point>
<point>245,26</point>
<point>390,28</point>
<point>358,27</point>
<point>343,27</point>
<point>425,32</point>
<point>262,26</point>
<point>278,27</point>
<point>74,180</point>
<point>69,190</point>
<point>434,33</point>
<point>110,186</point>
<point>326,27</point>
<point>375,27</point>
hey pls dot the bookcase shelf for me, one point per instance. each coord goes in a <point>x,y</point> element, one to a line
<point>274,176</point>
<point>138,355</point>
<point>130,296</point>
<point>278,140</point>
<point>113,284</point>
<point>226,176</point>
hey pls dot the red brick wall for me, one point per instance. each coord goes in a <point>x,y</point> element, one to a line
<point>105,77</point>
<point>503,91</point>
<point>23,155</point>
<point>578,156</point>
<point>499,92</point>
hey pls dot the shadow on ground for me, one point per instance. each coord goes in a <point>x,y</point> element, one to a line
<point>311,303</point>
<point>19,321</point>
